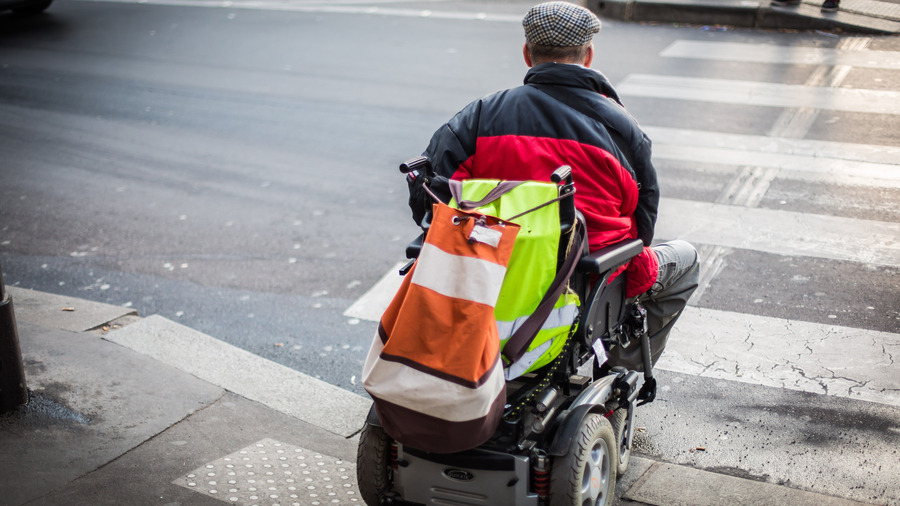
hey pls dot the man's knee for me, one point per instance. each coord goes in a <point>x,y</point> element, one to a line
<point>677,259</point>
<point>681,252</point>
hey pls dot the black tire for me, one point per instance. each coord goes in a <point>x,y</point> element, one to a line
<point>619,422</point>
<point>373,463</point>
<point>586,476</point>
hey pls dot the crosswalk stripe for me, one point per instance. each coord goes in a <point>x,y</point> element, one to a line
<point>754,93</point>
<point>372,304</point>
<point>775,352</point>
<point>794,167</point>
<point>775,54</point>
<point>886,156</point>
<point>780,232</point>
<point>822,161</point>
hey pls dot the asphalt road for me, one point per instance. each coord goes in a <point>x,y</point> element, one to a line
<point>235,170</point>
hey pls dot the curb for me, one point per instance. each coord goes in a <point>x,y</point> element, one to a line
<point>744,14</point>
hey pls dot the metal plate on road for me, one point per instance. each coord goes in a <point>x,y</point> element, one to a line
<point>272,473</point>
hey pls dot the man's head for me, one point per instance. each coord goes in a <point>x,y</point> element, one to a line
<point>559,32</point>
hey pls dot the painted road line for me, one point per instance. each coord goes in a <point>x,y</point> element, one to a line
<point>779,232</point>
<point>331,8</point>
<point>753,93</point>
<point>372,304</point>
<point>791,354</point>
<point>794,167</point>
<point>777,54</point>
<point>872,157</point>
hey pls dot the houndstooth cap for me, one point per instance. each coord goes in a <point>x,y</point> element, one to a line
<point>560,24</point>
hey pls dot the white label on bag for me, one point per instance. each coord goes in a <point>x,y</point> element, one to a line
<point>486,235</point>
<point>600,352</point>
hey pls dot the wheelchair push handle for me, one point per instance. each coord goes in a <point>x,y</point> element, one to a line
<point>564,173</point>
<point>419,164</point>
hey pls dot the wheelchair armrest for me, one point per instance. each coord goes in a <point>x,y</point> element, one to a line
<point>610,257</point>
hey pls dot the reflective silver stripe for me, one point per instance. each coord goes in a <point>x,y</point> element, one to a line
<point>559,317</point>
<point>530,357</point>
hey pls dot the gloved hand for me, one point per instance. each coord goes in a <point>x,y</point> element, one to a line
<point>420,201</point>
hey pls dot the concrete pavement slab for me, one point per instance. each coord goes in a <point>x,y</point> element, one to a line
<point>239,371</point>
<point>92,401</point>
<point>61,312</point>
<point>158,471</point>
<point>672,485</point>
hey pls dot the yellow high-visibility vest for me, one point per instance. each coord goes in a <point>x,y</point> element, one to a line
<point>531,269</point>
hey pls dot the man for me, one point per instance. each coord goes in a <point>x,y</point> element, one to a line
<point>569,114</point>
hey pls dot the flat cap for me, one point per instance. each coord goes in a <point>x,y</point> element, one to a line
<point>560,24</point>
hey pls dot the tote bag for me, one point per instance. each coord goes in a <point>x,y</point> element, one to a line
<point>434,369</point>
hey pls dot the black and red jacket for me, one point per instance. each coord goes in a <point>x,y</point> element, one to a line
<point>563,115</point>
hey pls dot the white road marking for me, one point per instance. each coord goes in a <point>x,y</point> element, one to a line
<point>373,303</point>
<point>810,357</point>
<point>776,54</point>
<point>817,161</point>
<point>753,93</point>
<point>780,232</point>
<point>885,157</point>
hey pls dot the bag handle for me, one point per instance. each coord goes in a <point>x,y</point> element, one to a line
<point>502,188</point>
<point>523,336</point>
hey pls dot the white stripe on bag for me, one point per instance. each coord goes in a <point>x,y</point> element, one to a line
<point>558,317</point>
<point>424,393</point>
<point>439,271</point>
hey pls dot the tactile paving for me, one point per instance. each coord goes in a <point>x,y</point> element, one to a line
<point>272,473</point>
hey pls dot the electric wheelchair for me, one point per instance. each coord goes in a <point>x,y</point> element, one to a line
<point>566,432</point>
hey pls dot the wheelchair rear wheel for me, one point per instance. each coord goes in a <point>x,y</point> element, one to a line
<point>586,475</point>
<point>372,463</point>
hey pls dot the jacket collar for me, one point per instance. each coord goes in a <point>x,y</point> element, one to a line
<point>567,74</point>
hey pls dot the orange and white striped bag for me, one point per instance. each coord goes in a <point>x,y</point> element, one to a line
<point>434,369</point>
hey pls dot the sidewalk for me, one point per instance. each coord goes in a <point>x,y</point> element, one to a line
<point>131,410</point>
<point>878,17</point>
